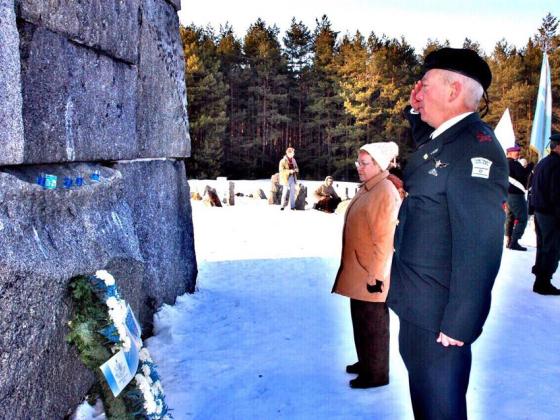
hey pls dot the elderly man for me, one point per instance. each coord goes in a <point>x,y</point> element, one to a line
<point>448,243</point>
<point>545,199</point>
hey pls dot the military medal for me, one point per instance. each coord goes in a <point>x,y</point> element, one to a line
<point>437,164</point>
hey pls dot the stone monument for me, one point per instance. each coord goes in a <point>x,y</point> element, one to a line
<point>93,100</point>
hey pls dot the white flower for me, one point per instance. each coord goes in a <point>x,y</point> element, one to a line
<point>112,302</point>
<point>126,344</point>
<point>145,355</point>
<point>105,276</point>
<point>146,370</point>
<point>150,406</point>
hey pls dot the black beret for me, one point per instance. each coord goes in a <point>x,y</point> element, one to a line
<point>555,138</point>
<point>460,60</point>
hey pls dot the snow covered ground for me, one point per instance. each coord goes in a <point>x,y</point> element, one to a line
<point>263,337</point>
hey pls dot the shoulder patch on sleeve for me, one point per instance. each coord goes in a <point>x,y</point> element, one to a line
<point>482,132</point>
<point>481,167</point>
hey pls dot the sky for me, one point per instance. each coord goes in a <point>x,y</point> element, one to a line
<point>484,21</point>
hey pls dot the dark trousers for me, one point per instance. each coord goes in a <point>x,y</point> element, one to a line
<point>548,245</point>
<point>517,205</point>
<point>438,376</point>
<point>327,204</point>
<point>370,321</point>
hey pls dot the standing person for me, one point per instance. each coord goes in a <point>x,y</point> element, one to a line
<point>516,202</point>
<point>545,199</point>
<point>449,240</point>
<point>326,196</point>
<point>367,249</point>
<point>288,170</point>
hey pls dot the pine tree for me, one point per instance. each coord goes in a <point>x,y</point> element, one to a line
<point>325,105</point>
<point>267,98</point>
<point>232,63</point>
<point>297,42</point>
<point>207,94</point>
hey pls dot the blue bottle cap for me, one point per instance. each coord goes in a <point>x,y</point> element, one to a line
<point>67,182</point>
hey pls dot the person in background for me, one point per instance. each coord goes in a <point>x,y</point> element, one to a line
<point>517,209</point>
<point>326,196</point>
<point>449,240</point>
<point>367,248</point>
<point>545,200</point>
<point>288,171</point>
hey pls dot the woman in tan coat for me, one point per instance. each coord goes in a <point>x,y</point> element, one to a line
<point>367,250</point>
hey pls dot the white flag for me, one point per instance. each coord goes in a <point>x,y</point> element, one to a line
<point>504,131</point>
<point>541,129</point>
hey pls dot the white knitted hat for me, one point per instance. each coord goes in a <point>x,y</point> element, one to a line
<point>382,152</point>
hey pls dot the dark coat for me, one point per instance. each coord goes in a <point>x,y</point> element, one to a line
<point>448,243</point>
<point>545,186</point>
<point>519,173</point>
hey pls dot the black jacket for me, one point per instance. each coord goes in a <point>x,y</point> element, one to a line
<point>448,243</point>
<point>545,186</point>
<point>519,173</point>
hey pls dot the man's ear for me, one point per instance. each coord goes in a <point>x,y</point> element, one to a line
<point>455,89</point>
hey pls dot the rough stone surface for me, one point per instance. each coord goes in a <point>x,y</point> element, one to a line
<point>162,117</point>
<point>11,124</point>
<point>301,195</point>
<point>46,238</point>
<point>78,105</point>
<point>95,93</point>
<point>108,25</point>
<point>159,196</point>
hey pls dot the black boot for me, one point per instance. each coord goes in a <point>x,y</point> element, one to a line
<point>363,382</point>
<point>543,286</point>
<point>515,246</point>
<point>355,368</point>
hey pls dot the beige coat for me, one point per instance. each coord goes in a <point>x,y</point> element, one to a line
<point>284,170</point>
<point>367,241</point>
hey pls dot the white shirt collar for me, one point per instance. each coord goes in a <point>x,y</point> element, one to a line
<point>448,124</point>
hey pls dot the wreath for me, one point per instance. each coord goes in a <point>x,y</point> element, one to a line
<point>107,337</point>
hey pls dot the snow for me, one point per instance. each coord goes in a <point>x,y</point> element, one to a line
<point>263,338</point>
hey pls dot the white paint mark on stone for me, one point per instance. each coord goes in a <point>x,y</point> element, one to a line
<point>68,116</point>
<point>39,243</point>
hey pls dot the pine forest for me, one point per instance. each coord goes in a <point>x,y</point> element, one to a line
<point>326,94</point>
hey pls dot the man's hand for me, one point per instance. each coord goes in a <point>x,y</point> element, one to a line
<point>414,103</point>
<point>448,341</point>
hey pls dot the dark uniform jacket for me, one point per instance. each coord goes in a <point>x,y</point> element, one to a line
<point>448,243</point>
<point>545,186</point>
<point>518,172</point>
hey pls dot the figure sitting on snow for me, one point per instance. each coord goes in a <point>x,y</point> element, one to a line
<point>210,197</point>
<point>326,196</point>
